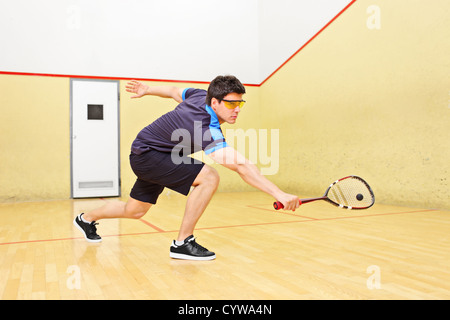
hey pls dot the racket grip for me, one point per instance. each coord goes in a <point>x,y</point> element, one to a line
<point>278,205</point>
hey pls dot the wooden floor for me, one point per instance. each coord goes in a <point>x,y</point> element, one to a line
<point>320,252</point>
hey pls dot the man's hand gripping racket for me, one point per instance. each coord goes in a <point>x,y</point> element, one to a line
<point>350,192</point>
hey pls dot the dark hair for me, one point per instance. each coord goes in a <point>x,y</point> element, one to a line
<point>223,85</point>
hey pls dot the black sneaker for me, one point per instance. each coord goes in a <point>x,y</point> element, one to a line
<point>88,229</point>
<point>190,250</point>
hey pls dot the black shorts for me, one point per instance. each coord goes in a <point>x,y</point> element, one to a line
<point>155,170</point>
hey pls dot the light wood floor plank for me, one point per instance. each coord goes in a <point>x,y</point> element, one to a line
<point>318,252</point>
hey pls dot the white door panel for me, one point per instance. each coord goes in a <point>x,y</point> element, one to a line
<point>95,138</point>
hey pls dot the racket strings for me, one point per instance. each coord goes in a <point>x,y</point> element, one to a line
<point>351,192</point>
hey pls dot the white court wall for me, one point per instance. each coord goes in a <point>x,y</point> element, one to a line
<point>154,39</point>
<point>286,25</point>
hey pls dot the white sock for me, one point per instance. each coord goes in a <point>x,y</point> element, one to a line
<point>179,243</point>
<point>82,219</point>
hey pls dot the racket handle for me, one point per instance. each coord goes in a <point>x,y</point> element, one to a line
<point>278,205</point>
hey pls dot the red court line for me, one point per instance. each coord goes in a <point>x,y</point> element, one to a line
<point>286,213</point>
<point>109,78</point>
<point>78,238</point>
<point>323,28</point>
<point>229,226</point>
<point>308,219</point>
<point>39,240</point>
<point>376,214</point>
<point>350,216</point>
<point>275,211</point>
<point>178,81</point>
<point>151,225</point>
<point>252,224</point>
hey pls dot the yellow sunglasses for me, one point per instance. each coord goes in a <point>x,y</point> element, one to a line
<point>232,104</point>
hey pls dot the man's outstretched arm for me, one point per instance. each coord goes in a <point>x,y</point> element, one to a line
<point>233,160</point>
<point>140,89</point>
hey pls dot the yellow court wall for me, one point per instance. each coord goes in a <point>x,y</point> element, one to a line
<point>369,102</point>
<point>373,103</point>
<point>34,138</point>
<point>35,135</point>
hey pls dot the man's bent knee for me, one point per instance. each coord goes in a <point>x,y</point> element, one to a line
<point>207,175</point>
<point>135,215</point>
<point>135,209</point>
